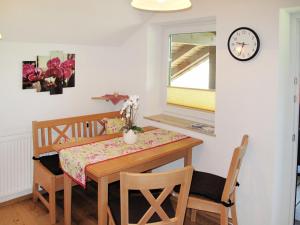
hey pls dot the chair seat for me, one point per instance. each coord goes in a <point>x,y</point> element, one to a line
<point>206,185</point>
<point>138,206</point>
<point>51,162</point>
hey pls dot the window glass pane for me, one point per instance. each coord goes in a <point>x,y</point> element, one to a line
<point>193,60</point>
<point>197,77</point>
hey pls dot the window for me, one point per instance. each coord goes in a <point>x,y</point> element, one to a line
<point>192,70</point>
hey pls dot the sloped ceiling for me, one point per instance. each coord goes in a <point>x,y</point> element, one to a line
<point>88,22</point>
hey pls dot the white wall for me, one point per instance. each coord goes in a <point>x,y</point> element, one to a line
<point>95,76</point>
<point>95,71</point>
<point>251,98</point>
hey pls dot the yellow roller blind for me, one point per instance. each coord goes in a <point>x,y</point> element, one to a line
<point>193,98</point>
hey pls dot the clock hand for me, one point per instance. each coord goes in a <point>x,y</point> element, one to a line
<point>242,43</point>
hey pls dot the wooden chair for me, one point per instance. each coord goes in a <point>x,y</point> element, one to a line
<point>216,194</point>
<point>47,173</point>
<point>145,198</point>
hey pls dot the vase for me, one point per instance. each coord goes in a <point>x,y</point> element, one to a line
<point>130,137</point>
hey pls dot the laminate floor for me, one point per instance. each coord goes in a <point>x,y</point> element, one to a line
<point>84,211</point>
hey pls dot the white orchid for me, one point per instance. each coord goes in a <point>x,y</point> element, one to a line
<point>128,112</point>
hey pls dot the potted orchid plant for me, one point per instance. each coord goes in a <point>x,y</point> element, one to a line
<point>128,113</point>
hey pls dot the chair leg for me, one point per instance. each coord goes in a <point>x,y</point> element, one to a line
<point>233,214</point>
<point>233,211</point>
<point>35,189</point>
<point>110,217</point>
<point>224,215</point>
<point>193,215</point>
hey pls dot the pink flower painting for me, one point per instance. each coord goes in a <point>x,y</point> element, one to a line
<point>50,73</point>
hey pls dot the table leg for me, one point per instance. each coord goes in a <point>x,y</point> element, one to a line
<point>67,199</point>
<point>187,162</point>
<point>188,157</point>
<point>102,200</point>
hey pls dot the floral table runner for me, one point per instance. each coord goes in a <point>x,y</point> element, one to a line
<point>74,160</point>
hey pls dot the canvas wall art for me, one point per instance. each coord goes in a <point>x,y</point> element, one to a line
<point>50,73</point>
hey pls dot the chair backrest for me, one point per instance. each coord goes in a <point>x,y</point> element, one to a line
<point>166,181</point>
<point>51,132</point>
<point>236,161</point>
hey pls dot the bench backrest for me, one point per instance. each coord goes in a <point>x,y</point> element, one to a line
<point>51,132</point>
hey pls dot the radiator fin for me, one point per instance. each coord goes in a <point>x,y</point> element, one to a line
<point>16,166</point>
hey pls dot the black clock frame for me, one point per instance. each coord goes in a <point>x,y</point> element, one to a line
<point>258,43</point>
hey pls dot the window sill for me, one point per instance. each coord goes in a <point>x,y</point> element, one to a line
<point>183,123</point>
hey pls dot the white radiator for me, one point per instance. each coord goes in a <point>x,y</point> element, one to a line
<point>16,166</point>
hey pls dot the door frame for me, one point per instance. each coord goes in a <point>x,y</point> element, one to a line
<point>295,74</point>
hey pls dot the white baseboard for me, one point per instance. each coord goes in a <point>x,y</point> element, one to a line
<point>15,195</point>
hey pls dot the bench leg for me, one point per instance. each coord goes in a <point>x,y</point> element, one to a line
<point>52,203</point>
<point>52,208</point>
<point>35,189</point>
<point>35,186</point>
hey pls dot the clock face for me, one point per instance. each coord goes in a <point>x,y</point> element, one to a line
<point>243,44</point>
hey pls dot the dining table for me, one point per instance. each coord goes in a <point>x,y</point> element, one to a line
<point>108,170</point>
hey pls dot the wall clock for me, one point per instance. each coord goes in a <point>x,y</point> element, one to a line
<point>243,44</point>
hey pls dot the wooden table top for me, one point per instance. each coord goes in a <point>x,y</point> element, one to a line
<point>139,158</point>
<point>115,165</point>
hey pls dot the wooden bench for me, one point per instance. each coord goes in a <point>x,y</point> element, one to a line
<point>47,173</point>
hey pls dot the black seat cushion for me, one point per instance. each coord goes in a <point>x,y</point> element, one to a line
<point>51,162</point>
<point>206,185</point>
<point>138,206</point>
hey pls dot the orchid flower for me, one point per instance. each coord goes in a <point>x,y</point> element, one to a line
<point>128,112</point>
